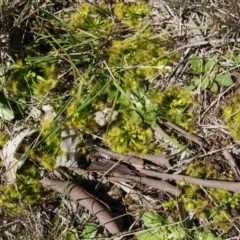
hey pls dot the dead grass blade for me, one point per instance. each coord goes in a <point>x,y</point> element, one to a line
<point>231,162</point>
<point>186,134</point>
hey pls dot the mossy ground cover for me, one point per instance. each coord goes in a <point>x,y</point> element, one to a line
<point>109,73</point>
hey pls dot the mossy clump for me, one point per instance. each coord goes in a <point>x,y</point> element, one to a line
<point>48,161</point>
<point>26,191</point>
<point>132,14</point>
<point>48,150</point>
<point>231,116</point>
<point>31,79</point>
<point>143,56</point>
<point>91,19</point>
<point>83,119</point>
<point>129,136</point>
<point>95,18</point>
<point>176,105</point>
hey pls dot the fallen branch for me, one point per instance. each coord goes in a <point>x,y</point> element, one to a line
<point>161,185</point>
<point>160,160</point>
<point>130,159</point>
<point>123,177</point>
<point>79,194</point>
<point>230,186</point>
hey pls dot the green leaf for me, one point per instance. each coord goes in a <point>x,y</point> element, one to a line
<point>190,88</point>
<point>208,66</point>
<point>5,112</point>
<point>149,235</point>
<point>69,235</point>
<point>123,100</point>
<point>2,2</point>
<point>176,232</point>
<point>205,83</point>
<point>150,106</point>
<point>160,228</point>
<point>208,235</point>
<point>21,104</point>
<point>194,84</point>
<point>225,80</point>
<point>210,63</point>
<point>152,220</point>
<point>196,63</point>
<point>134,116</point>
<point>113,92</point>
<point>214,87</point>
<point>196,81</point>
<point>90,231</point>
<point>236,58</point>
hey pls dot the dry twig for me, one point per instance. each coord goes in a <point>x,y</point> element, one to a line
<point>160,160</point>
<point>230,186</point>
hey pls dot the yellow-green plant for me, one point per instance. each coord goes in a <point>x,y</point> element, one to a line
<point>214,204</point>
<point>31,79</point>
<point>231,116</point>
<point>142,56</point>
<point>131,65</point>
<point>132,14</point>
<point>159,227</point>
<point>49,149</point>
<point>27,190</point>
<point>90,19</point>
<point>129,136</point>
<point>82,119</point>
<point>176,105</point>
<point>133,62</point>
<point>3,139</point>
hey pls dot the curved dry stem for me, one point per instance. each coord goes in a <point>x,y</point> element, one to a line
<point>77,193</point>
